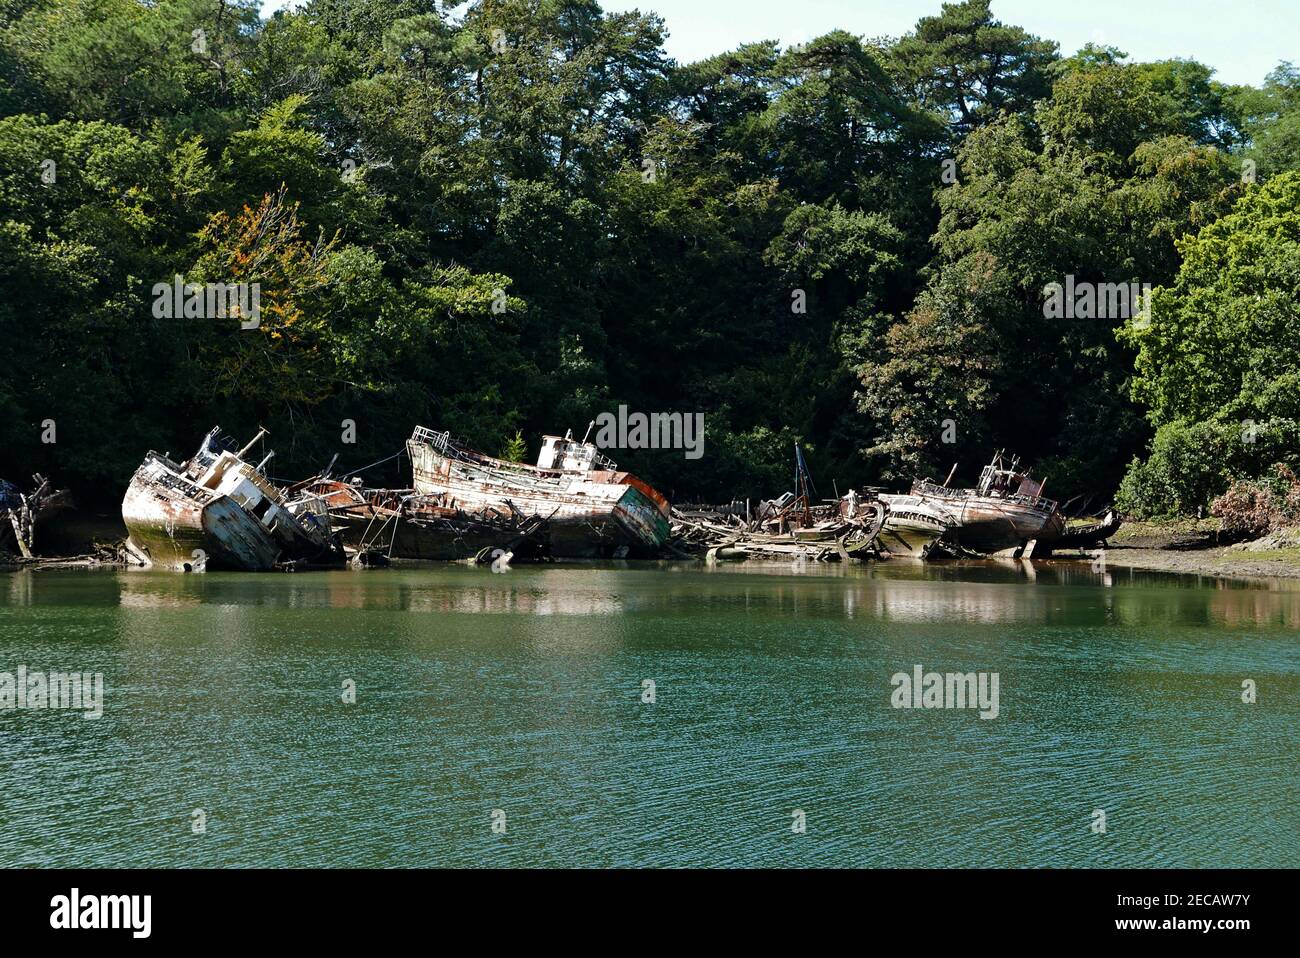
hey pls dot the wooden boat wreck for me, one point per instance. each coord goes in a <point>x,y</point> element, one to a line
<point>913,526</point>
<point>21,514</point>
<point>829,536</point>
<point>1005,514</point>
<point>1083,534</point>
<point>217,511</point>
<point>402,524</point>
<point>592,509</point>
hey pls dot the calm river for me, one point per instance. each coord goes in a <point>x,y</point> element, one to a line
<point>506,719</point>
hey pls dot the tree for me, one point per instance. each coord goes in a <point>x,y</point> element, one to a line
<point>939,372</point>
<point>971,67</point>
<point>1219,351</point>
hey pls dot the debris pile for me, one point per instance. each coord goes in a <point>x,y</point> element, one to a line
<point>379,525</point>
<point>787,528</point>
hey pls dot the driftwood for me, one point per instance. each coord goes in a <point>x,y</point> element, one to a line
<point>111,554</point>
<point>22,512</point>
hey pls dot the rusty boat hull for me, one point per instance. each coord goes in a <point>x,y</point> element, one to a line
<point>1005,514</point>
<point>912,526</point>
<point>217,512</point>
<point>996,526</point>
<point>594,513</point>
<point>175,532</point>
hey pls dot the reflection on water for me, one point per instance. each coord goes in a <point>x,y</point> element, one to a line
<point>901,591</point>
<point>522,691</point>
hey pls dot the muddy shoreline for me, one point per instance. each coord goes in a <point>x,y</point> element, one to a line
<point>1197,547</point>
<point>1222,562</point>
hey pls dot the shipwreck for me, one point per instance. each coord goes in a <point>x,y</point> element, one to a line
<point>218,511</point>
<point>591,508</point>
<point>1004,514</point>
<point>376,525</point>
<point>914,526</point>
<point>790,526</point>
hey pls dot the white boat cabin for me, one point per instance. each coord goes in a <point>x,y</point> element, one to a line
<point>569,455</point>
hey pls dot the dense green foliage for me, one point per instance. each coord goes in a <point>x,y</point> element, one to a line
<point>1218,363</point>
<point>507,221</point>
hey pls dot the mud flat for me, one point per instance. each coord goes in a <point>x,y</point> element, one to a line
<point>1197,547</point>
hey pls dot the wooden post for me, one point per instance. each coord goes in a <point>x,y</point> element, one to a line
<point>18,535</point>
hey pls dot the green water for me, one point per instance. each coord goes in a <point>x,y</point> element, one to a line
<point>522,692</point>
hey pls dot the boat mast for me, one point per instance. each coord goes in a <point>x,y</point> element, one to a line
<point>803,483</point>
<point>261,431</point>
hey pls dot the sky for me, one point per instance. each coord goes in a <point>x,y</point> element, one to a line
<point>1241,39</point>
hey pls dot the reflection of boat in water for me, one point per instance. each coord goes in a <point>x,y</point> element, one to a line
<point>592,509</point>
<point>216,511</point>
<point>402,524</point>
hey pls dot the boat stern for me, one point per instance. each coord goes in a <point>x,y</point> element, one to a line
<point>642,513</point>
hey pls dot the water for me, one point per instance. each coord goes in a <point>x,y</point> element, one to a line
<point>522,693</point>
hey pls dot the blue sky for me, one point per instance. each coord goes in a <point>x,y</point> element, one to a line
<point>1241,39</point>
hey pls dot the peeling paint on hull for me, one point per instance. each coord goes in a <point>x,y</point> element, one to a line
<point>912,525</point>
<point>991,525</point>
<point>593,514</point>
<point>168,529</point>
<point>640,519</point>
<point>906,540</point>
<point>216,511</point>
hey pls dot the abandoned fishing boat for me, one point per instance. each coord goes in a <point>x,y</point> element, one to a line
<point>402,524</point>
<point>592,509</point>
<point>1005,514</point>
<point>21,514</point>
<point>217,511</point>
<point>913,526</point>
